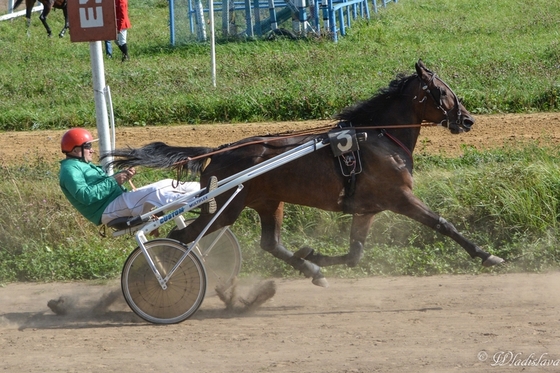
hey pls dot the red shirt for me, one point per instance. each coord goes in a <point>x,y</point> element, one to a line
<point>121,9</point>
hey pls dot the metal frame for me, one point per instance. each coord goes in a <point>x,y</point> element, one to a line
<point>200,197</point>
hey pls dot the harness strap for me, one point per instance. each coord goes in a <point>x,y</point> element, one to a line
<point>350,165</point>
<point>311,132</point>
<point>399,143</point>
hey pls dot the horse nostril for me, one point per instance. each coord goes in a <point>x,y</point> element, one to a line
<point>468,122</point>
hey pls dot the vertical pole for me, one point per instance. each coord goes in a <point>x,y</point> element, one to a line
<point>341,21</point>
<point>98,75</point>
<point>315,16</point>
<point>201,29</point>
<point>225,18</point>
<point>325,9</point>
<point>272,12</point>
<point>249,18</point>
<point>302,15</point>
<point>172,22</point>
<point>192,20</point>
<point>257,14</point>
<point>212,42</point>
<point>332,21</point>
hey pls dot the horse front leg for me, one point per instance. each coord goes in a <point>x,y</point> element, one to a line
<point>358,234</point>
<point>43,18</point>
<point>271,222</point>
<point>417,210</point>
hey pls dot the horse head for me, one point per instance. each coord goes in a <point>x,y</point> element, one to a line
<point>447,110</point>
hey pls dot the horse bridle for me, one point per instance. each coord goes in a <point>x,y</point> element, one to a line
<point>437,97</point>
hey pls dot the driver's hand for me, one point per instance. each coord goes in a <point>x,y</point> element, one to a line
<point>125,175</point>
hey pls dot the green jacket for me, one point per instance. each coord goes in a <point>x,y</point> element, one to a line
<point>88,188</point>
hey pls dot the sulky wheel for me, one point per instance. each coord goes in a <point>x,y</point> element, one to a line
<point>221,254</point>
<point>185,289</point>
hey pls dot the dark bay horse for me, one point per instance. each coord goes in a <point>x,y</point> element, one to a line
<point>47,6</point>
<point>391,120</point>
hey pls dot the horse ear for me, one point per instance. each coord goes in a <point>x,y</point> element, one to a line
<point>420,67</point>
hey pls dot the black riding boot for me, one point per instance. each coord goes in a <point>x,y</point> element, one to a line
<point>124,50</point>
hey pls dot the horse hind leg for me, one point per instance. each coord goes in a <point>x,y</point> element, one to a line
<point>271,221</point>
<point>66,24</point>
<point>28,25</point>
<point>358,234</point>
<point>63,31</point>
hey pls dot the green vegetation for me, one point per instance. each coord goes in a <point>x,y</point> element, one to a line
<point>505,200</point>
<point>500,56</point>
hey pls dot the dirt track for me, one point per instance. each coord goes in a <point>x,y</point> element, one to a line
<point>429,324</point>
<point>489,131</point>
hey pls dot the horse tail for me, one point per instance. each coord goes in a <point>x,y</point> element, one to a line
<point>160,155</point>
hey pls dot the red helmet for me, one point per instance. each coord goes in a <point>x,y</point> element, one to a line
<point>75,137</point>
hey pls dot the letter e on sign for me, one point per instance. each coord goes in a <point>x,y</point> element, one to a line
<point>92,20</point>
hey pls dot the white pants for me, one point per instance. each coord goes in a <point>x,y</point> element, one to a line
<point>142,200</point>
<point>121,37</point>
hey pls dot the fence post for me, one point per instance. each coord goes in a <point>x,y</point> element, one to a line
<point>172,22</point>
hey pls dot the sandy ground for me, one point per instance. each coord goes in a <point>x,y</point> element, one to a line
<point>429,324</point>
<point>486,323</point>
<point>489,131</point>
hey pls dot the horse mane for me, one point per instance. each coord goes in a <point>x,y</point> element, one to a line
<point>364,111</point>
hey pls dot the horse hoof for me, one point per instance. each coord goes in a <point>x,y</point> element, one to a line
<point>320,281</point>
<point>492,260</point>
<point>353,261</point>
<point>303,253</point>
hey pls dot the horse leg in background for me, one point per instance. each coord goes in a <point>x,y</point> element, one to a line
<point>66,24</point>
<point>417,210</point>
<point>358,234</point>
<point>28,25</point>
<point>271,215</point>
<point>28,11</point>
<point>43,17</point>
<point>191,232</point>
<point>28,7</point>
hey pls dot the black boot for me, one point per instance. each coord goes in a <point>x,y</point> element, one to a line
<point>124,50</point>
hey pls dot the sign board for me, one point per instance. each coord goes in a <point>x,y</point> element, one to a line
<point>92,20</point>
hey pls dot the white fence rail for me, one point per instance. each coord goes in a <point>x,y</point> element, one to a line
<point>11,14</point>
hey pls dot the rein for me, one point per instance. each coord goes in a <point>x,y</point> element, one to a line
<point>313,131</point>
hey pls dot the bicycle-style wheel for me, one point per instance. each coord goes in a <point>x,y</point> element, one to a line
<point>221,254</point>
<point>185,289</point>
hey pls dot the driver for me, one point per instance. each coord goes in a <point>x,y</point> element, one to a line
<point>100,197</point>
